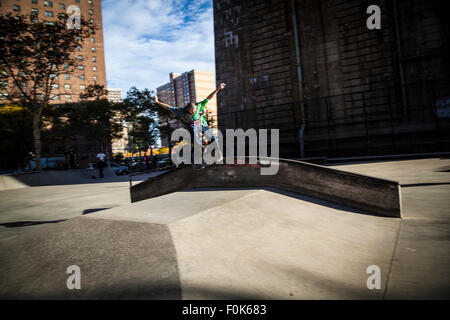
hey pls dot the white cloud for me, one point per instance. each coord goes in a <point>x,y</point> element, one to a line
<point>146,40</point>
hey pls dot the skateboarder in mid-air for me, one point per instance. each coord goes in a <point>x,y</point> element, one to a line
<point>194,115</point>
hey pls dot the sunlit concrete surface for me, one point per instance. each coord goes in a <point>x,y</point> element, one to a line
<point>221,243</point>
<point>421,263</point>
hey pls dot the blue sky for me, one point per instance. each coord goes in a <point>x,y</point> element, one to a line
<point>145,40</point>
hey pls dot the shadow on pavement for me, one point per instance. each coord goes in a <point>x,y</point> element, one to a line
<point>424,184</point>
<point>87,211</point>
<point>27,223</point>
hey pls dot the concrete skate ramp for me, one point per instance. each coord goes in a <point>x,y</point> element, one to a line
<point>10,182</point>
<point>372,194</point>
<point>204,244</point>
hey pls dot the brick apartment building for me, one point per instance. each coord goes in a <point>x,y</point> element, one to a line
<point>333,87</point>
<point>114,95</point>
<point>91,57</point>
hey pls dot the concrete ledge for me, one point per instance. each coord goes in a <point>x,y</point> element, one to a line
<point>371,194</point>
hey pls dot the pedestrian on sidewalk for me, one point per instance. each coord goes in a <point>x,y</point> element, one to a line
<point>72,158</point>
<point>101,164</point>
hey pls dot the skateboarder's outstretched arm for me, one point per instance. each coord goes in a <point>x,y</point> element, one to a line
<point>162,104</point>
<point>220,87</point>
<point>211,95</point>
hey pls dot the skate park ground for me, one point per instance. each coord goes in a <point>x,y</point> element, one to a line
<point>248,243</point>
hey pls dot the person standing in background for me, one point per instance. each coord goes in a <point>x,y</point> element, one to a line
<point>28,159</point>
<point>101,163</point>
<point>72,159</point>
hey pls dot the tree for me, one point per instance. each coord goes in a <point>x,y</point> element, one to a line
<point>140,112</point>
<point>33,53</point>
<point>96,120</point>
<point>142,132</point>
<point>165,129</point>
<point>15,136</point>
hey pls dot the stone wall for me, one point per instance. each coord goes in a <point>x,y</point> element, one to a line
<point>365,92</point>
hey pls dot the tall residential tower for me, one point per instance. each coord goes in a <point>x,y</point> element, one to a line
<point>91,55</point>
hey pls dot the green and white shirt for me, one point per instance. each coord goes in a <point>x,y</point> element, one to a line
<point>196,119</point>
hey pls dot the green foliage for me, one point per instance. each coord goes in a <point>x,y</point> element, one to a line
<point>140,113</point>
<point>97,120</point>
<point>15,136</point>
<point>33,53</point>
<point>139,105</point>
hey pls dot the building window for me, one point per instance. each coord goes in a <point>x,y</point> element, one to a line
<point>34,1</point>
<point>16,7</point>
<point>93,49</point>
<point>82,87</point>
<point>80,58</point>
<point>94,59</point>
<point>66,76</point>
<point>91,11</point>
<point>55,97</point>
<point>55,86</point>
<point>94,68</point>
<point>49,14</point>
<point>91,20</point>
<point>62,6</point>
<point>66,66</point>
<point>68,97</point>
<point>53,76</point>
<point>90,2</point>
<point>82,77</point>
<point>79,48</point>
<point>92,40</point>
<point>35,11</point>
<point>95,78</point>
<point>77,1</point>
<point>67,86</point>
<point>48,4</point>
<point>81,67</point>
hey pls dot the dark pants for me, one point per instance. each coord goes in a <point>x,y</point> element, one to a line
<point>197,139</point>
<point>100,166</point>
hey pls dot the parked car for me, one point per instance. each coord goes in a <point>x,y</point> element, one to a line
<point>164,162</point>
<point>118,169</point>
<point>135,167</point>
<point>55,163</point>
